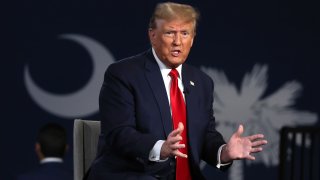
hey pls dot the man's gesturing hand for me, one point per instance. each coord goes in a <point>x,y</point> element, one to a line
<point>240,147</point>
<point>172,145</point>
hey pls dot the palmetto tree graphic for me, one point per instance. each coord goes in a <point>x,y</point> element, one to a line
<point>257,112</point>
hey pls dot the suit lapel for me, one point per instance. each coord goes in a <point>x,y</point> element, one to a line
<point>189,85</point>
<point>156,83</point>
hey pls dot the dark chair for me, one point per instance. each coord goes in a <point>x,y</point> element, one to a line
<point>299,153</point>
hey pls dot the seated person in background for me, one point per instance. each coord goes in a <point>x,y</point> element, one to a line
<point>50,147</point>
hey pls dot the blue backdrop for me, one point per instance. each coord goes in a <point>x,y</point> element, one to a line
<point>265,54</point>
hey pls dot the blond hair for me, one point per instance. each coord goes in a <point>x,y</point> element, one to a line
<point>172,11</point>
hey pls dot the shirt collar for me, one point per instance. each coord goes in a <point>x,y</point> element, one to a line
<point>163,67</point>
<point>51,159</point>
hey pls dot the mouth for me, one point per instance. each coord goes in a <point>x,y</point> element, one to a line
<point>175,53</point>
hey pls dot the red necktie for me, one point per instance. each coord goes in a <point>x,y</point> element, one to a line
<point>178,109</point>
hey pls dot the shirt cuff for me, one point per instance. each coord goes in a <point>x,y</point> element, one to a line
<point>219,164</point>
<point>154,154</point>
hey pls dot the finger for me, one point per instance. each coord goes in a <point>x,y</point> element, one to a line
<point>259,143</point>
<point>178,130</point>
<point>171,142</point>
<point>175,132</point>
<point>255,150</point>
<point>175,139</point>
<point>180,126</point>
<point>179,154</point>
<point>255,137</point>
<point>177,146</point>
<point>250,157</point>
<point>240,130</point>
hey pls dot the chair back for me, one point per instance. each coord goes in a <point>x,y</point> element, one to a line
<point>85,143</point>
<point>299,153</point>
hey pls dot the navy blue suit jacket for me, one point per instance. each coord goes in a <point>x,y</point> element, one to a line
<point>48,171</point>
<point>135,114</point>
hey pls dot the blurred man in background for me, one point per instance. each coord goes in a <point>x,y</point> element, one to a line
<point>50,148</point>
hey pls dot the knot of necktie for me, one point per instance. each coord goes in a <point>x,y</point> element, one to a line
<point>174,73</point>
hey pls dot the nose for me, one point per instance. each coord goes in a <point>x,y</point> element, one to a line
<point>177,40</point>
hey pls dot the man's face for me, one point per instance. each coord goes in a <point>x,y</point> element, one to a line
<point>172,41</point>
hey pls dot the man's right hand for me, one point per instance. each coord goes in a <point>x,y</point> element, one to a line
<point>172,145</point>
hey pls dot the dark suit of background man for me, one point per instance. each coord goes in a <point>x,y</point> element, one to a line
<point>141,140</point>
<point>50,147</point>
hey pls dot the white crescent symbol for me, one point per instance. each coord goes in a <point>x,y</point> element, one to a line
<point>84,101</point>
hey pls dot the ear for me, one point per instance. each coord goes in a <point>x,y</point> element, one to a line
<point>37,147</point>
<point>193,39</point>
<point>152,35</point>
<point>66,148</point>
<point>39,151</point>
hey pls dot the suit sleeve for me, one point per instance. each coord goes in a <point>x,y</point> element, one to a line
<point>117,110</point>
<point>214,139</point>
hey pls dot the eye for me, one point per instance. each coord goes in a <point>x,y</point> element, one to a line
<point>169,33</point>
<point>185,33</point>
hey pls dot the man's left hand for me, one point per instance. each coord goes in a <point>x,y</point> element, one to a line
<point>240,147</point>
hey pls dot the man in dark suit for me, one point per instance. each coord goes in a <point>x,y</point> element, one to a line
<point>50,147</point>
<point>156,111</point>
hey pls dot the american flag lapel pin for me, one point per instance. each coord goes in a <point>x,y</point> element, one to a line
<point>191,83</point>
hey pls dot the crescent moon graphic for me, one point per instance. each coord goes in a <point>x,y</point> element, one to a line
<point>83,102</point>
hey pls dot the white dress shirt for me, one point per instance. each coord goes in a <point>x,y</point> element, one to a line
<point>51,159</point>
